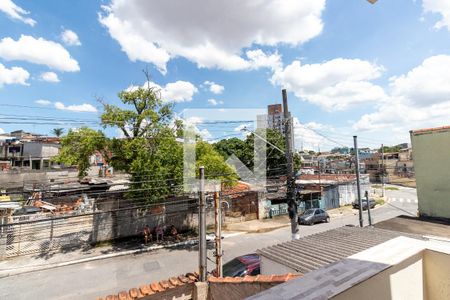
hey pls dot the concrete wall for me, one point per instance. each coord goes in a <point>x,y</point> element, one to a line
<point>270,267</point>
<point>437,274</point>
<point>432,168</point>
<point>402,281</point>
<point>15,179</point>
<point>237,291</point>
<point>40,149</point>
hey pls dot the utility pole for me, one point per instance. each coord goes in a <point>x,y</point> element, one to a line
<point>202,227</point>
<point>290,192</point>
<point>368,207</point>
<point>358,184</point>
<point>218,227</point>
<point>382,171</point>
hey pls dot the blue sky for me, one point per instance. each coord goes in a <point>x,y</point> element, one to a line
<point>350,67</point>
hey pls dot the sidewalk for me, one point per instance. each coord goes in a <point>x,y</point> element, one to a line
<point>38,262</point>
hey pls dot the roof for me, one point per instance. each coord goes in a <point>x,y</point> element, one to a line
<point>429,130</point>
<point>418,225</point>
<point>254,279</point>
<point>155,287</point>
<point>318,250</point>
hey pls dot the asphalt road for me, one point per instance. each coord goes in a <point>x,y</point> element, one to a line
<point>103,277</point>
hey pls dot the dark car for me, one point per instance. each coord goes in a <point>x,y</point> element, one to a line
<point>242,265</point>
<point>372,202</point>
<point>313,215</point>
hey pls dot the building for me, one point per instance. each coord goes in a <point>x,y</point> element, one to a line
<point>329,191</point>
<point>397,268</point>
<point>275,117</point>
<point>405,164</point>
<point>379,164</point>
<point>432,170</point>
<point>35,155</point>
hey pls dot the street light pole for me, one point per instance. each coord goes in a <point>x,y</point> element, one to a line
<point>290,192</point>
<point>358,184</point>
<point>202,228</point>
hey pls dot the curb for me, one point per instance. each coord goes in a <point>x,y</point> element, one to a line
<point>18,271</point>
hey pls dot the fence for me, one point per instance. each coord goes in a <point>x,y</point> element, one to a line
<point>43,236</point>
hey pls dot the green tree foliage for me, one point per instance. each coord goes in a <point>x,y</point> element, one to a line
<point>150,151</point>
<point>58,131</point>
<point>244,150</point>
<point>78,146</point>
<point>391,149</point>
<point>214,163</point>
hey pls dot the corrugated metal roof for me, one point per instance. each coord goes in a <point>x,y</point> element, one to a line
<point>317,250</point>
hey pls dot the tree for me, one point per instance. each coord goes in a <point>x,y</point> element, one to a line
<point>58,131</point>
<point>391,149</point>
<point>79,145</point>
<point>244,150</point>
<point>149,150</point>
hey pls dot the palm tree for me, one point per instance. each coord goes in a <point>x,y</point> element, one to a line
<point>58,131</point>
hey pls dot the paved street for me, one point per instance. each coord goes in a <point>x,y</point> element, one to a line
<point>99,278</point>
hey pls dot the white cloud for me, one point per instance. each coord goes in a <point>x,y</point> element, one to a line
<point>215,102</point>
<point>426,84</point>
<point>38,51</point>
<point>441,7</point>
<point>70,38</point>
<point>419,98</point>
<point>1,130</point>
<point>15,75</point>
<point>49,77</point>
<point>214,87</point>
<point>306,138</point>
<point>259,59</point>
<point>178,91</point>
<point>155,32</point>
<point>43,102</point>
<point>85,107</point>
<point>15,12</point>
<point>334,85</point>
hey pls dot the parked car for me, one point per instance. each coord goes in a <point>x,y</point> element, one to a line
<point>313,215</point>
<point>248,264</point>
<point>372,202</point>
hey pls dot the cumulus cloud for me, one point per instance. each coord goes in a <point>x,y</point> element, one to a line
<point>15,75</point>
<point>43,102</point>
<point>423,92</point>
<point>155,32</point>
<point>85,107</point>
<point>16,12</point>
<point>38,51</point>
<point>214,87</point>
<point>334,85</point>
<point>441,7</point>
<point>306,136</point>
<point>215,102</point>
<point>49,77</point>
<point>178,91</point>
<point>1,130</point>
<point>70,38</point>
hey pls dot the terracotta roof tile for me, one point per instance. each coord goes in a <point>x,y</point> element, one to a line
<point>264,278</point>
<point>134,292</point>
<point>175,281</point>
<point>123,295</point>
<point>249,279</point>
<point>156,287</point>
<point>252,279</point>
<point>165,284</point>
<point>145,290</point>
